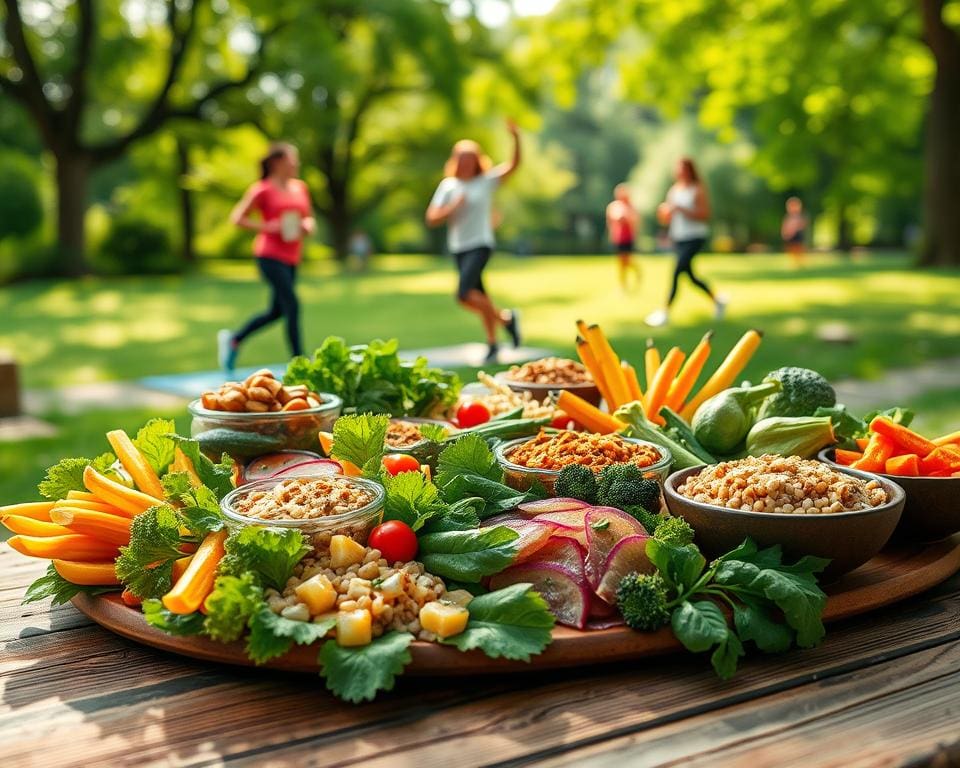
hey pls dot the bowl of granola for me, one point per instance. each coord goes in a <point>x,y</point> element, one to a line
<point>551,374</point>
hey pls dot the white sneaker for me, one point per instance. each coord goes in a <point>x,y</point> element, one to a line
<point>719,307</point>
<point>657,318</point>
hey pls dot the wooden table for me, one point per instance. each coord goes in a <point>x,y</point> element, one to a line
<point>883,689</point>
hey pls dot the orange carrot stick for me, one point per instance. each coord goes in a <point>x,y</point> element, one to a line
<point>875,455</point>
<point>81,496</point>
<point>683,384</point>
<point>633,383</point>
<point>197,580</point>
<point>846,457</point>
<point>905,438</point>
<point>93,506</point>
<point>184,464</point>
<point>948,439</point>
<point>662,380</point>
<point>906,465</point>
<point>731,367</point>
<point>590,361</point>
<point>100,525</point>
<point>587,415</point>
<point>180,567</point>
<point>610,365</point>
<point>91,574</point>
<point>74,546</point>
<point>127,500</point>
<point>651,362</point>
<point>30,526</point>
<point>943,460</point>
<point>132,460</point>
<point>38,510</point>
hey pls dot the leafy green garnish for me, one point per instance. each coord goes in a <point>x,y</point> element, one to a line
<point>175,485</point>
<point>469,555</point>
<point>436,432</point>
<point>270,553</point>
<point>154,441</point>
<point>145,565</point>
<point>412,498</point>
<point>218,477</point>
<point>174,623</point>
<point>230,605</point>
<point>272,635</point>
<point>64,476</point>
<point>103,462</point>
<point>201,511</point>
<point>360,439</point>
<point>357,674</point>
<point>513,623</point>
<point>459,516</point>
<point>53,585</point>
<point>467,455</point>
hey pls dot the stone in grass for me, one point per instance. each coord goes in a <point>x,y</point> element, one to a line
<point>836,333</point>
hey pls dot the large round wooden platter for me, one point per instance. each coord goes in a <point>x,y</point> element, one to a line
<point>899,572</point>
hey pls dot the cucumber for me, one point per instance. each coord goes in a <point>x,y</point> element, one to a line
<point>238,444</point>
<point>516,413</point>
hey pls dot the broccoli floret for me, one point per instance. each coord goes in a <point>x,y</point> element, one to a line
<point>674,530</point>
<point>649,520</point>
<point>642,600</point>
<point>577,482</point>
<point>615,473</point>
<point>802,391</point>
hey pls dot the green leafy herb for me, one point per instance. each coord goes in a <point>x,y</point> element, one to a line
<point>64,476</point>
<point>145,565</point>
<point>272,635</point>
<point>174,623</point>
<point>201,511</point>
<point>154,441</point>
<point>496,496</point>
<point>359,439</point>
<point>513,623</point>
<point>230,605</point>
<point>467,455</point>
<point>270,553</point>
<point>412,498</point>
<point>218,477</point>
<point>461,515</point>
<point>53,585</point>
<point>175,485</point>
<point>104,462</point>
<point>435,432</point>
<point>469,555</point>
<point>357,674</point>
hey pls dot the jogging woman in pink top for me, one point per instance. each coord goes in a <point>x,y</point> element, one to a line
<point>285,218</point>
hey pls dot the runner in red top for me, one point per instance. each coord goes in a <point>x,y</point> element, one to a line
<point>285,218</point>
<point>622,227</point>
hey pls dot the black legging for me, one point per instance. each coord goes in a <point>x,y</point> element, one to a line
<point>686,250</point>
<point>283,303</point>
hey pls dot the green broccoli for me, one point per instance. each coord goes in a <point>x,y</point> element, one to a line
<point>649,520</point>
<point>616,473</point>
<point>577,482</point>
<point>674,530</point>
<point>802,391</point>
<point>642,600</point>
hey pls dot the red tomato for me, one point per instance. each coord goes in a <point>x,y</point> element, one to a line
<point>395,463</point>
<point>562,422</point>
<point>396,541</point>
<point>472,414</point>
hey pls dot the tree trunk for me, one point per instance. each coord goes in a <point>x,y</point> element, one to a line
<point>941,193</point>
<point>73,181</point>
<point>339,225</point>
<point>844,240</point>
<point>187,212</point>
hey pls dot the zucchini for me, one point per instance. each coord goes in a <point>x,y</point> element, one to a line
<point>684,434</point>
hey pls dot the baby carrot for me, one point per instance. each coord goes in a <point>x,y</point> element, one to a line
<point>875,455</point>
<point>905,438</point>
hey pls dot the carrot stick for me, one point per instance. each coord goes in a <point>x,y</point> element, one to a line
<point>905,438</point>
<point>731,367</point>
<point>125,499</point>
<point>132,460</point>
<point>100,525</point>
<point>185,465</point>
<point>196,583</point>
<point>875,455</point>
<point>86,573</point>
<point>590,361</point>
<point>587,415</point>
<point>74,546</point>
<point>683,384</point>
<point>943,460</point>
<point>81,496</point>
<point>948,439</point>
<point>651,362</point>
<point>30,526</point>
<point>610,365</point>
<point>862,442</point>
<point>633,383</point>
<point>93,506</point>
<point>38,510</point>
<point>906,465</point>
<point>846,457</point>
<point>180,567</point>
<point>662,380</point>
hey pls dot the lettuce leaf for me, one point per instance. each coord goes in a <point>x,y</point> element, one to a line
<point>218,477</point>
<point>272,635</point>
<point>230,605</point>
<point>468,455</point>
<point>158,616</point>
<point>64,476</point>
<point>145,565</point>
<point>360,439</point>
<point>468,555</point>
<point>154,441</point>
<point>270,553</point>
<point>412,498</point>
<point>357,674</point>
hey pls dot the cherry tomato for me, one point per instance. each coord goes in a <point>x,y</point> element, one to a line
<point>562,422</point>
<point>395,463</point>
<point>472,414</point>
<point>396,541</point>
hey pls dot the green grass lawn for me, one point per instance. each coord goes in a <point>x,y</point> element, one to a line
<point>96,329</point>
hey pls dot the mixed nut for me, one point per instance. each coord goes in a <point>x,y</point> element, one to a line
<point>260,392</point>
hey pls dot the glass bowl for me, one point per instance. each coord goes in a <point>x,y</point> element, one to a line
<point>522,478</point>
<point>356,523</point>
<point>244,436</point>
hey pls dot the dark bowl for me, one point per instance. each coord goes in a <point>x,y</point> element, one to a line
<point>588,390</point>
<point>932,508</point>
<point>848,539</point>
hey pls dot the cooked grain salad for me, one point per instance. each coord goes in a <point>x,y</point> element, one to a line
<point>557,450</point>
<point>550,370</point>
<point>784,485</point>
<point>304,498</point>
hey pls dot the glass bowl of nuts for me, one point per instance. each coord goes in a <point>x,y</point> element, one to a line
<point>551,374</point>
<point>259,415</point>
<point>317,506</point>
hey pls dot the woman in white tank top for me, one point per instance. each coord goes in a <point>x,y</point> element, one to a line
<point>687,211</point>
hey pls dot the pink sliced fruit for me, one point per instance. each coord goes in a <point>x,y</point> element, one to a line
<point>568,599</point>
<point>628,555</point>
<point>314,468</point>
<point>559,504</point>
<point>604,527</point>
<point>564,552</point>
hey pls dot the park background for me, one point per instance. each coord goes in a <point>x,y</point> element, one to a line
<point>128,130</point>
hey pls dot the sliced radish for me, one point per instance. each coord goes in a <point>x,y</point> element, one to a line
<point>571,519</point>
<point>629,555</point>
<point>533,534</point>
<point>507,518</point>
<point>270,464</point>
<point>604,527</point>
<point>568,599</point>
<point>564,552</point>
<point>560,504</point>
<point>314,468</point>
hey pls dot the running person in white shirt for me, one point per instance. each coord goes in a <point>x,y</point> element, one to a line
<point>687,211</point>
<point>464,200</point>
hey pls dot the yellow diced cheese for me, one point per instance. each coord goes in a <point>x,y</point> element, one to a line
<point>354,627</point>
<point>318,594</point>
<point>345,552</point>
<point>444,619</point>
<point>393,586</point>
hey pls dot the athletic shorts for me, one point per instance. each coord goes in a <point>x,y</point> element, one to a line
<point>625,246</point>
<point>470,266</point>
